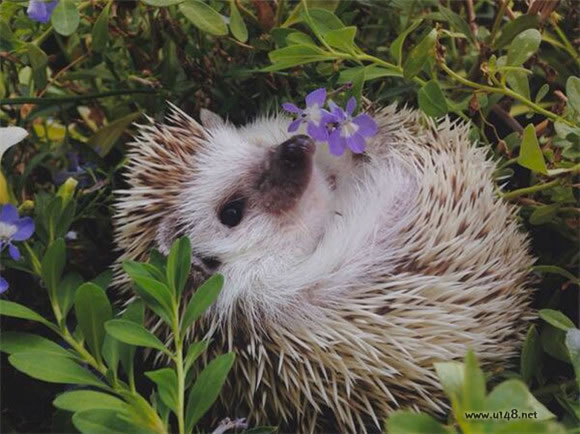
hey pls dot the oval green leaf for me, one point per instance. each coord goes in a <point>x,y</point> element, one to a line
<point>201,300</point>
<point>179,264</point>
<point>204,17</point>
<point>573,92</point>
<point>80,400</point>
<point>65,18</point>
<point>15,310</point>
<point>523,47</point>
<point>432,100</point>
<point>556,319</point>
<point>92,309</point>
<point>53,369</point>
<point>237,25</point>
<point>16,342</point>
<point>134,334</point>
<point>206,388</point>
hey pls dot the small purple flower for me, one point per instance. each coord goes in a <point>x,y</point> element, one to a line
<point>348,131</point>
<point>40,11</point>
<point>314,115</point>
<point>77,169</point>
<point>13,228</point>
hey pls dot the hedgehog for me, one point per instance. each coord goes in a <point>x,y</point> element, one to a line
<point>346,278</point>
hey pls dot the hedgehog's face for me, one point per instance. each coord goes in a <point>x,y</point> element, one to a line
<point>256,206</point>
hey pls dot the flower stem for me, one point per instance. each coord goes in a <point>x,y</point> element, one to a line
<point>178,359</point>
<point>533,189</point>
<point>504,91</point>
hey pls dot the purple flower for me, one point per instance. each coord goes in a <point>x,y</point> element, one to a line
<point>313,115</point>
<point>348,131</point>
<point>13,228</point>
<point>40,11</point>
<point>77,169</point>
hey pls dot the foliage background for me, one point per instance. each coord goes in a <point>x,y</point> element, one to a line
<point>77,83</point>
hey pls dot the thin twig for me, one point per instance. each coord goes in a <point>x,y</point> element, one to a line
<point>507,118</point>
<point>472,23</point>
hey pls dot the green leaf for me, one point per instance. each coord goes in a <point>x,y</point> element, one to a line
<point>66,291</point>
<point>156,295</point>
<point>80,400</point>
<point>408,422</point>
<point>135,312</point>
<point>343,38</point>
<point>556,319</point>
<point>396,47</point>
<point>103,421</point>
<point>134,334</point>
<point>297,52</point>
<point>38,61</point>
<point>513,28</point>
<point>523,47</point>
<point>179,265</point>
<point>573,345</point>
<point>104,139</point>
<point>473,385</point>
<point>514,394</point>
<point>100,33</point>
<point>555,270</point>
<point>573,92</point>
<point>372,72</point>
<point>16,342</point>
<point>554,343</point>
<point>451,375</point>
<point>419,55</point>
<point>53,263</point>
<point>92,310</point>
<point>544,214</point>
<point>193,352</point>
<point>204,17</point>
<point>15,310</point>
<point>166,381</point>
<point>65,18</point>
<point>162,3</point>
<point>531,355</point>
<point>298,38</point>
<point>322,20</point>
<point>237,25</point>
<point>53,369</point>
<point>432,100</point>
<point>531,155</point>
<point>542,92</point>
<point>206,388</point>
<point>456,22</point>
<point>204,296</point>
<point>518,81</point>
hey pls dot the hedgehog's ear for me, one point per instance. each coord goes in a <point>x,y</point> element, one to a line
<point>211,120</point>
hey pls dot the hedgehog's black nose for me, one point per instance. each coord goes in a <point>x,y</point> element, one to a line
<point>296,150</point>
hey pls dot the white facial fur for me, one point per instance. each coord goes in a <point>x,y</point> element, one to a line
<point>273,262</point>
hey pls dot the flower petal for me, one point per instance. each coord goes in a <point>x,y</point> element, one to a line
<point>3,285</point>
<point>10,136</point>
<point>319,133</point>
<point>8,214</point>
<point>40,10</point>
<point>317,96</point>
<point>289,107</point>
<point>336,144</point>
<point>350,105</point>
<point>294,125</point>
<point>25,229</point>
<point>367,125</point>
<point>336,111</point>
<point>356,143</point>
<point>14,252</point>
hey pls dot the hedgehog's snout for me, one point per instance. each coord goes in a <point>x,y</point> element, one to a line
<point>286,173</point>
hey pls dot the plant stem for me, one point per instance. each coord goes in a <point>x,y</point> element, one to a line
<point>178,359</point>
<point>567,45</point>
<point>497,21</point>
<point>532,189</point>
<point>507,92</point>
<point>65,99</point>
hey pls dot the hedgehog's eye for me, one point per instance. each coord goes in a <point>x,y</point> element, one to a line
<point>232,212</point>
